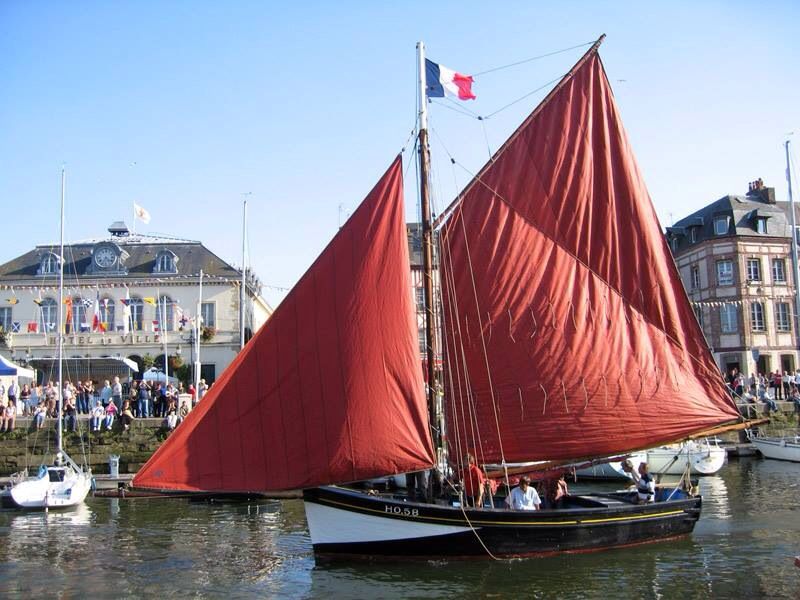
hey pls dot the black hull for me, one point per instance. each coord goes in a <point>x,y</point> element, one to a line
<point>344,523</point>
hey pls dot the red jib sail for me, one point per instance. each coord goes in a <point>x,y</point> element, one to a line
<point>330,390</point>
<point>568,332</point>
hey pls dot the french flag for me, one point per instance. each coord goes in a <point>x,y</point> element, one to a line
<point>440,81</point>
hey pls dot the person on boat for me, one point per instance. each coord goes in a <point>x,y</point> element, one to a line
<point>111,411</point>
<point>646,485</point>
<point>97,416</point>
<point>524,496</point>
<point>126,415</point>
<point>558,492</point>
<point>474,482</point>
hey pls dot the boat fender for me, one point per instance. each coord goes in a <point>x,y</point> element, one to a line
<point>94,485</point>
<point>783,443</point>
<point>42,472</point>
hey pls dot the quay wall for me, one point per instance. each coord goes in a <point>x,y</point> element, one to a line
<point>28,448</point>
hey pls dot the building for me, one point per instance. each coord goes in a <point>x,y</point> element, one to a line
<point>735,260</point>
<point>130,299</point>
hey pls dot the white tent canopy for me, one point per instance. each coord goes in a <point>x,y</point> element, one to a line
<point>14,370</point>
<point>153,374</point>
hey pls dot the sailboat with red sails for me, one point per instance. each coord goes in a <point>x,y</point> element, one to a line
<point>552,263</point>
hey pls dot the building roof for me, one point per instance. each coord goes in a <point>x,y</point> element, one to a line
<point>742,213</point>
<point>139,251</point>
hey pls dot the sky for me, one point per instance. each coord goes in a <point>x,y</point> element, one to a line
<point>188,108</point>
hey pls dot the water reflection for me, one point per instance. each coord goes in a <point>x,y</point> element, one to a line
<point>742,547</point>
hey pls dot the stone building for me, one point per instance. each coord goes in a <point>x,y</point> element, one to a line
<point>735,260</point>
<point>129,299</point>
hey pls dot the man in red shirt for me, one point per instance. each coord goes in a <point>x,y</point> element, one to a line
<point>473,482</point>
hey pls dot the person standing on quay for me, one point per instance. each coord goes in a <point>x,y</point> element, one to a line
<point>116,393</point>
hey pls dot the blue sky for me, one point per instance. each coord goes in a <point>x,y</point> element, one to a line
<point>185,106</point>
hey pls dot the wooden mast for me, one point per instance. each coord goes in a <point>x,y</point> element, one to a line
<point>427,248</point>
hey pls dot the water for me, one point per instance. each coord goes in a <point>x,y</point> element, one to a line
<point>743,547</point>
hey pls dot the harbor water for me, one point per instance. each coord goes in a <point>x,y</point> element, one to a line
<point>743,547</point>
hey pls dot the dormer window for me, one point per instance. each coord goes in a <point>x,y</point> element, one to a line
<point>166,262</point>
<point>49,264</point>
<point>693,234</point>
<point>720,225</point>
<point>761,224</point>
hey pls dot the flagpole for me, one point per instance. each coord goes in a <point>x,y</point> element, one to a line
<point>163,332</point>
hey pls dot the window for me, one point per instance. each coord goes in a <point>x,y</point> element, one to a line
<point>761,225</point>
<point>673,243</point>
<point>165,314</point>
<point>5,318</point>
<point>778,270</point>
<point>698,313</point>
<point>753,269</point>
<point>423,347</point>
<point>720,225</point>
<point>208,311</point>
<point>49,314</point>
<point>107,313</point>
<point>728,318</point>
<point>49,264</point>
<point>757,317</point>
<point>419,294</point>
<point>165,263</point>
<point>782,317</point>
<point>79,322</point>
<point>693,234</point>
<point>724,272</point>
<point>695,277</point>
<point>137,314</point>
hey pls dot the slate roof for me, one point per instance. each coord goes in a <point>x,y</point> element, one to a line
<point>142,251</point>
<point>742,212</point>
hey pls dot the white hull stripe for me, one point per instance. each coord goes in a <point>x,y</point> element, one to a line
<point>329,525</point>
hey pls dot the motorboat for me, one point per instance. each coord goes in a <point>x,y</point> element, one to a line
<point>704,457</point>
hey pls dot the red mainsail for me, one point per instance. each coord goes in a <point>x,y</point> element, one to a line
<point>568,333</point>
<point>330,390</point>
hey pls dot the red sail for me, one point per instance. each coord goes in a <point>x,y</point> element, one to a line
<point>568,332</point>
<point>330,390</point>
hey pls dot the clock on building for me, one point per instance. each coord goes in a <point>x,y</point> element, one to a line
<point>105,256</point>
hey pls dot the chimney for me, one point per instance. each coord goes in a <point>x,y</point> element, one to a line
<point>757,191</point>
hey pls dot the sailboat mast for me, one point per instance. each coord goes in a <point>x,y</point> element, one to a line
<point>427,243</point>
<point>795,266</point>
<point>197,362</point>
<point>61,332</point>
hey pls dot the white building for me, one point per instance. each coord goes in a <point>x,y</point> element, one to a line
<point>146,290</point>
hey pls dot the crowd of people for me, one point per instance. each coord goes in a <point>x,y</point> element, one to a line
<point>767,389</point>
<point>102,404</point>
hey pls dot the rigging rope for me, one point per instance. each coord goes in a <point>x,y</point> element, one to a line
<point>527,60</point>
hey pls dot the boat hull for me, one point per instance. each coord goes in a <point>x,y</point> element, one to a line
<point>55,487</point>
<point>779,448</point>
<point>345,523</point>
<point>705,459</point>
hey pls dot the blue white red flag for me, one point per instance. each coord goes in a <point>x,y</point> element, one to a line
<point>440,81</point>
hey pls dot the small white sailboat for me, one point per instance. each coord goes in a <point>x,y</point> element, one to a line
<point>64,483</point>
<point>784,447</point>
<point>704,457</point>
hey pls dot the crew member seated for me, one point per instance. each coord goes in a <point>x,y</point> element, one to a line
<point>645,486</point>
<point>524,496</point>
